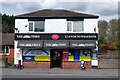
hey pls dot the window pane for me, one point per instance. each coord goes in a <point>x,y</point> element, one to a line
<point>77,26</point>
<point>30,26</point>
<point>3,49</point>
<point>39,26</point>
<point>0,49</point>
<point>7,49</point>
<point>69,26</point>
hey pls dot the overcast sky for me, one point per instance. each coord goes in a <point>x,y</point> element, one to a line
<point>106,10</point>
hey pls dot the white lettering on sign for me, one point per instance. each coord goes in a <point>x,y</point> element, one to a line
<point>29,45</point>
<point>83,45</point>
<point>80,36</point>
<point>28,36</point>
<point>55,44</point>
<point>28,58</point>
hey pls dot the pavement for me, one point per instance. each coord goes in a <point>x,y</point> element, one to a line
<point>58,73</point>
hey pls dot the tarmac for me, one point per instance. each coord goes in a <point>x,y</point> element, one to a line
<point>58,73</point>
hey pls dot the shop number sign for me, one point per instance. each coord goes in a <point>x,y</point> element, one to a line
<point>65,55</point>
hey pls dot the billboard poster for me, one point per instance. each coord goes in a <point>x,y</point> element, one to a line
<point>65,54</point>
<point>36,55</point>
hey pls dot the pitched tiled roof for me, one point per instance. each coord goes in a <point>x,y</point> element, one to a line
<point>7,39</point>
<point>56,13</point>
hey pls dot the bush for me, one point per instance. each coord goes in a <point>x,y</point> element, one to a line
<point>9,63</point>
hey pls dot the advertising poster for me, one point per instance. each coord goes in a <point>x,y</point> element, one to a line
<point>76,55</point>
<point>71,58</point>
<point>94,55</point>
<point>65,55</point>
<point>36,55</point>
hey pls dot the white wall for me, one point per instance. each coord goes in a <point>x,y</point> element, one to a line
<point>17,53</point>
<point>55,25</point>
<point>89,25</point>
<point>20,24</point>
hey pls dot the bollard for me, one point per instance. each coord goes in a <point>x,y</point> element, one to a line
<point>19,66</point>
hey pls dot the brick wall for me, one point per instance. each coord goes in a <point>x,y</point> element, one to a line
<point>108,61</point>
<point>9,57</point>
<point>75,65</point>
<point>33,64</point>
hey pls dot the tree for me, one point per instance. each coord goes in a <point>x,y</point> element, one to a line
<point>8,23</point>
<point>113,31</point>
<point>102,25</point>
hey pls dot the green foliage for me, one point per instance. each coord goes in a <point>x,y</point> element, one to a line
<point>10,64</point>
<point>8,23</point>
<point>117,52</point>
<point>109,32</point>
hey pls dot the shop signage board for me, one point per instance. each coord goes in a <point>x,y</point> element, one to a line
<point>83,44</point>
<point>56,44</point>
<point>58,36</point>
<point>30,44</point>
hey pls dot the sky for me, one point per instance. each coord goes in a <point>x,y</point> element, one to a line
<point>106,10</point>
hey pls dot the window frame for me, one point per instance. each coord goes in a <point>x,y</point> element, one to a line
<point>5,50</point>
<point>34,27</point>
<point>29,26</point>
<point>72,27</point>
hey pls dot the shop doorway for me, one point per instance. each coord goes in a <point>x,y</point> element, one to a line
<point>56,58</point>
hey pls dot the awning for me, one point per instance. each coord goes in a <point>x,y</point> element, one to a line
<point>56,44</point>
<point>83,44</point>
<point>30,44</point>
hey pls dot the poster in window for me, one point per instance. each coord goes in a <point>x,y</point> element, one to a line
<point>36,55</point>
<point>76,55</point>
<point>65,54</point>
<point>94,55</point>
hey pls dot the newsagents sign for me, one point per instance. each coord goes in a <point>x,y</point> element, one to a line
<point>83,44</point>
<point>56,44</point>
<point>30,44</point>
<point>57,36</point>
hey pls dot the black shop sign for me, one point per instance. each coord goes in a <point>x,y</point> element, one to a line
<point>57,36</point>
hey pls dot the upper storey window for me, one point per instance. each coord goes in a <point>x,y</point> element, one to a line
<point>36,26</point>
<point>75,26</point>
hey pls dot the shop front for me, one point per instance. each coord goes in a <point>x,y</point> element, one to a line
<point>57,50</point>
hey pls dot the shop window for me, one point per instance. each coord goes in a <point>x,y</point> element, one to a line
<point>75,26</point>
<point>85,52</point>
<point>4,50</point>
<point>82,53</point>
<point>71,52</point>
<point>35,52</point>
